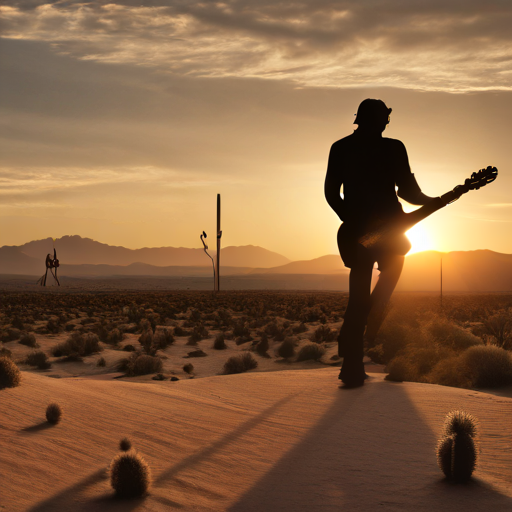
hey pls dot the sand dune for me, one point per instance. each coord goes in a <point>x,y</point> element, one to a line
<point>287,440</point>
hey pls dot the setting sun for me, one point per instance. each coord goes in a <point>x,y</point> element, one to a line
<point>420,239</point>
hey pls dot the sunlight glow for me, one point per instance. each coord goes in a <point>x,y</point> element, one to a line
<point>419,238</point>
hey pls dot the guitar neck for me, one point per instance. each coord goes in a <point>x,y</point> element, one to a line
<point>434,205</point>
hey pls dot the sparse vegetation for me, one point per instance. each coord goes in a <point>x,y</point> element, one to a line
<point>130,475</point>
<point>29,340</point>
<point>140,364</point>
<point>53,413</point>
<point>219,343</point>
<point>240,363</point>
<point>82,344</point>
<point>10,375</point>
<point>188,368</point>
<point>310,351</point>
<point>39,359</point>
<point>286,349</point>
<point>101,362</point>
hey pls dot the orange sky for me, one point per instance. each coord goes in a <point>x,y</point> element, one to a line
<point>122,121</point>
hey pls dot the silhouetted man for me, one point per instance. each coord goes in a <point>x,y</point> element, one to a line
<point>369,167</point>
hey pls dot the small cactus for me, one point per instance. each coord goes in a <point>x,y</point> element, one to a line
<point>125,444</point>
<point>53,413</point>
<point>456,451</point>
<point>130,475</point>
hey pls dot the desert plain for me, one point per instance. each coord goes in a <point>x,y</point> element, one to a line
<point>280,435</point>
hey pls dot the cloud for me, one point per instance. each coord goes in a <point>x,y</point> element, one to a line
<point>430,45</point>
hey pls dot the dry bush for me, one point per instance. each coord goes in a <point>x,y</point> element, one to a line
<point>53,326</point>
<point>39,359</point>
<point>450,335</point>
<point>163,338</point>
<point>488,366</point>
<point>83,344</point>
<point>125,444</point>
<point>262,346</point>
<point>29,340</point>
<point>53,413</point>
<point>146,341</point>
<point>130,476</point>
<point>310,351</point>
<point>286,349</point>
<point>140,364</point>
<point>399,370</point>
<point>219,343</point>
<point>239,364</point>
<point>324,333</point>
<point>179,331</point>
<point>499,327</point>
<point>188,368</point>
<point>451,372</point>
<point>13,334</point>
<point>114,336</point>
<point>10,375</point>
<point>297,329</point>
<point>101,362</point>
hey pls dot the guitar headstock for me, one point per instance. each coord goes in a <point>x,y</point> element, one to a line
<point>481,178</point>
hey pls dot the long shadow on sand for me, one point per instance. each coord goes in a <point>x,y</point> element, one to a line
<point>367,453</point>
<point>218,445</point>
<point>65,499</point>
<point>44,425</point>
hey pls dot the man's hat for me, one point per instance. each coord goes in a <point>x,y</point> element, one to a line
<point>370,111</point>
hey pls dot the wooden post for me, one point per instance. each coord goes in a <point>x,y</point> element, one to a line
<point>219,235</point>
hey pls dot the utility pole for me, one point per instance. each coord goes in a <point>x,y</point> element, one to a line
<point>219,235</point>
<point>441,295</point>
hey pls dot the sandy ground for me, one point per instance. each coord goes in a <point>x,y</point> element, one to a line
<point>261,441</point>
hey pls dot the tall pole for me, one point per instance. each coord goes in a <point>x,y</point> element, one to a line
<point>219,235</point>
<point>441,295</point>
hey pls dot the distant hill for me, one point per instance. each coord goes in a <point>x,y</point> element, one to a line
<point>75,250</point>
<point>256,268</point>
<point>330,264</point>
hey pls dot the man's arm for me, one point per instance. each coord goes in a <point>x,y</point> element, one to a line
<point>333,182</point>
<point>408,187</point>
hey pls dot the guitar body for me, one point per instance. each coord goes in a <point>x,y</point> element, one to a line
<point>386,237</point>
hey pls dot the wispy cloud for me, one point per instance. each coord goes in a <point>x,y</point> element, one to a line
<point>447,46</point>
<point>499,205</point>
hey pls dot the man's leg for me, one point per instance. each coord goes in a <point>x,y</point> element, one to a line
<point>381,294</point>
<point>350,339</point>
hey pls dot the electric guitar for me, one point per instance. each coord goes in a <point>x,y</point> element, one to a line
<point>388,233</point>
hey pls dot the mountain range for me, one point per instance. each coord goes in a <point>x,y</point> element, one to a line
<point>472,271</point>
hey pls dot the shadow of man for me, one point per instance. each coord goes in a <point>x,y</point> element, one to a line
<point>369,167</point>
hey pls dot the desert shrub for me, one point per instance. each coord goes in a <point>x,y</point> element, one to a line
<point>5,352</point>
<point>188,368</point>
<point>83,344</point>
<point>10,375</point>
<point>13,334</point>
<point>101,362</point>
<point>297,329</point>
<point>499,327</point>
<point>39,359</point>
<point>125,444</point>
<point>451,371</point>
<point>286,349</point>
<point>53,325</point>
<point>239,364</point>
<point>179,331</point>
<point>243,339</point>
<point>488,366</point>
<point>53,413</point>
<point>140,364</point>
<point>393,336</point>
<point>17,322</point>
<point>29,340</point>
<point>324,333</point>
<point>219,343</point>
<point>241,329</point>
<point>114,336</point>
<point>449,334</point>
<point>310,351</point>
<point>163,338</point>
<point>262,346</point>
<point>199,333</point>
<point>129,348</point>
<point>197,353</point>
<point>130,476</point>
<point>146,341</point>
